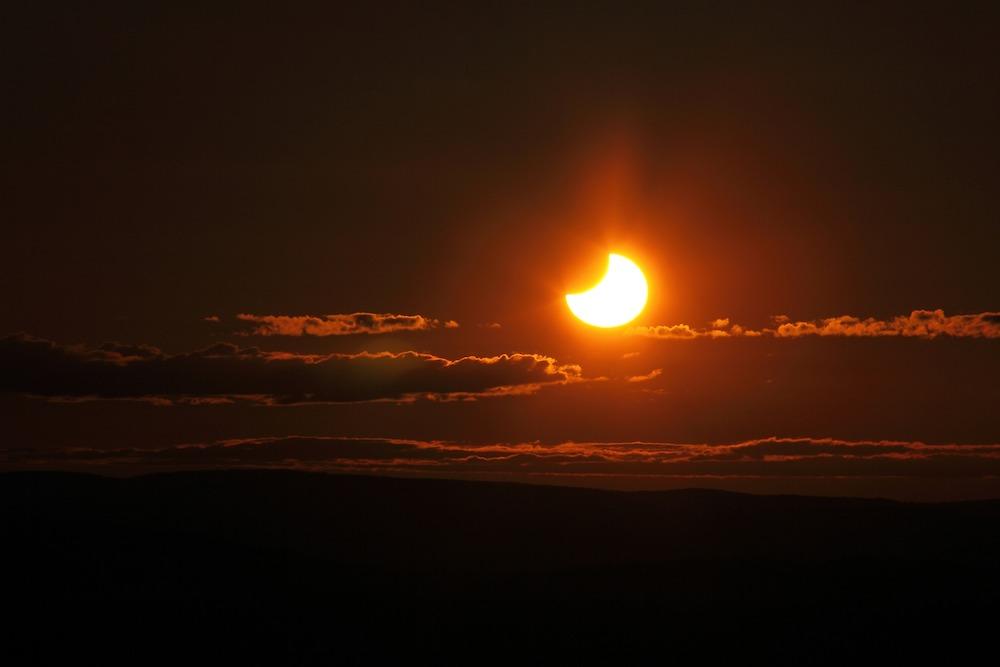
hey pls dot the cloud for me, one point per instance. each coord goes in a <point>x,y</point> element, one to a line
<point>760,458</point>
<point>226,372</point>
<point>339,325</point>
<point>667,331</point>
<point>211,318</point>
<point>918,324</point>
<point>655,373</point>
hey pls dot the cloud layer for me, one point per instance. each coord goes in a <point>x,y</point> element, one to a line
<point>766,457</point>
<point>918,324</point>
<point>226,372</point>
<point>339,325</point>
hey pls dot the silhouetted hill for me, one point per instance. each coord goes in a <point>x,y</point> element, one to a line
<point>287,566</point>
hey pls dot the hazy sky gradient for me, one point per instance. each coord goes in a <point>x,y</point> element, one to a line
<point>429,183</point>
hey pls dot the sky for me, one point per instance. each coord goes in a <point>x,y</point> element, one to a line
<point>340,240</point>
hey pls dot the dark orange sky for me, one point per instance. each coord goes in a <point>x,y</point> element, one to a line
<point>161,167</point>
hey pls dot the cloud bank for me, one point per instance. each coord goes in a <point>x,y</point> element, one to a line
<point>339,325</point>
<point>766,457</point>
<point>919,324</point>
<point>226,373</point>
<point>927,324</point>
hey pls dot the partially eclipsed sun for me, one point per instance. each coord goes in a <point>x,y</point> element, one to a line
<point>616,300</point>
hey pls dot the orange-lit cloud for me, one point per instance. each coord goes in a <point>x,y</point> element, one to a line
<point>918,324</point>
<point>655,373</point>
<point>339,325</point>
<point>225,372</point>
<point>760,458</point>
<point>668,331</point>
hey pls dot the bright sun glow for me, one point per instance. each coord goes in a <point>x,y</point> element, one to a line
<point>616,300</point>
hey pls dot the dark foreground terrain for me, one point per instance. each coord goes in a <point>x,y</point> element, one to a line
<point>278,567</point>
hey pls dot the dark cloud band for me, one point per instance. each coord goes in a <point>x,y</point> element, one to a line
<point>766,457</point>
<point>225,372</point>
<point>338,325</point>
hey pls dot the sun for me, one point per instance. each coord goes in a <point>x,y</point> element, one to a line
<point>616,300</point>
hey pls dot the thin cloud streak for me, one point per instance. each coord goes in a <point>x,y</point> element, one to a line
<point>651,375</point>
<point>339,324</point>
<point>765,457</point>
<point>927,324</point>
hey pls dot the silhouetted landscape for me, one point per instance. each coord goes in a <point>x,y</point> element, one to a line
<point>282,565</point>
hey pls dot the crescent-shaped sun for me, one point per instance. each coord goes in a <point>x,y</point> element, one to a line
<point>616,300</point>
